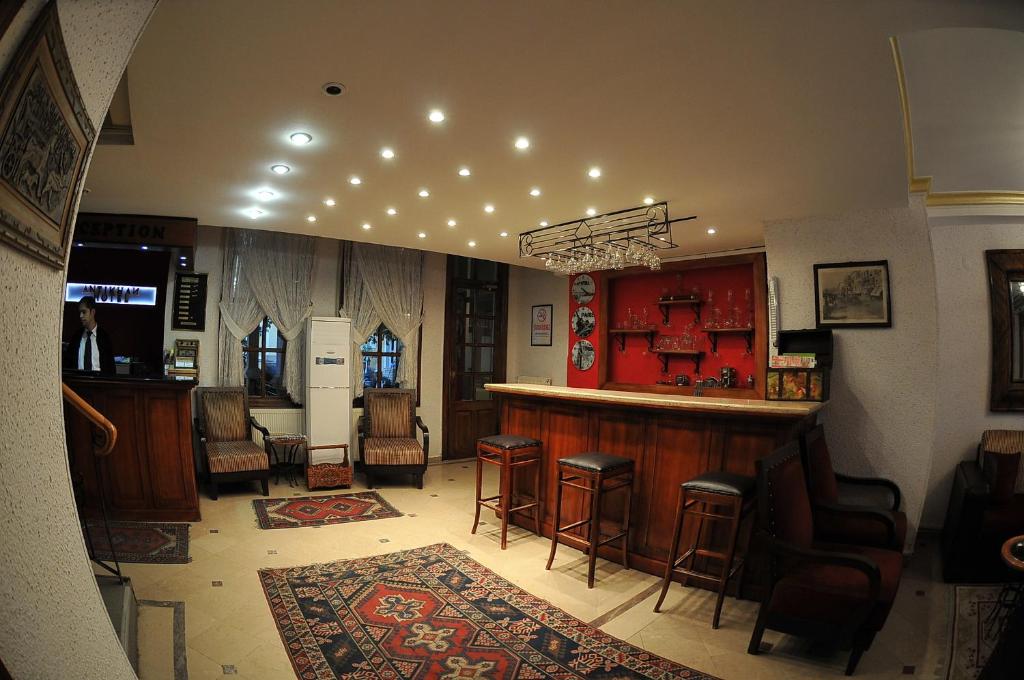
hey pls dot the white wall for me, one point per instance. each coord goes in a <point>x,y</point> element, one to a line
<point>528,287</point>
<point>52,621</point>
<point>965,347</point>
<point>881,415</point>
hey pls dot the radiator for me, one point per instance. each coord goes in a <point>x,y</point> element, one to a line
<point>533,380</point>
<point>278,421</point>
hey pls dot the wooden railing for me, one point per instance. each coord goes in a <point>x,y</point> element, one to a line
<point>106,434</point>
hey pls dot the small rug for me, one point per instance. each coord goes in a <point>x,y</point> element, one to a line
<point>434,613</point>
<point>974,634</point>
<point>146,542</point>
<point>317,511</point>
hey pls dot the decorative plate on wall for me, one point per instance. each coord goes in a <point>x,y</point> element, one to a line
<point>583,288</point>
<point>583,321</point>
<point>583,355</point>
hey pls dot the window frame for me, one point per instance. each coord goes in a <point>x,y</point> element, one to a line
<point>262,400</point>
<point>357,402</point>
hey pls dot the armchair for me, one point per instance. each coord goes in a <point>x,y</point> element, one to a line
<point>228,452</point>
<point>387,435</point>
<point>838,594</point>
<point>843,523</point>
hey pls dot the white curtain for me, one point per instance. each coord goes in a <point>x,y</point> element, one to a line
<point>358,306</point>
<point>393,278</point>
<point>239,313</point>
<point>279,270</point>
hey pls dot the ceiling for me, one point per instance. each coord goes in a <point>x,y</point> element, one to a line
<point>737,112</point>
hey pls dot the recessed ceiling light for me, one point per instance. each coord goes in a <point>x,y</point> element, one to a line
<point>253,213</point>
<point>591,212</point>
<point>180,257</point>
<point>79,244</point>
<point>503,234</point>
<point>265,194</point>
<point>436,116</point>
<point>387,153</point>
<point>311,218</point>
<point>464,171</point>
<point>424,193</point>
<point>648,200</point>
<point>391,211</point>
<point>522,143</point>
<point>535,191</point>
<point>452,223</point>
<point>333,89</point>
<point>422,234</point>
<point>355,180</point>
<point>543,223</point>
<point>366,226</point>
<point>488,208</point>
<point>145,247</point>
<point>280,169</point>
<point>472,244</point>
<point>594,172</point>
<point>300,138</point>
<point>712,231</point>
<point>329,202</point>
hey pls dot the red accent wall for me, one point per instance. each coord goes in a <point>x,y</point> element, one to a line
<point>588,378</point>
<point>636,364</point>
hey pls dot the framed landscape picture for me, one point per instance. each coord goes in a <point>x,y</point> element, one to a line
<point>852,295</point>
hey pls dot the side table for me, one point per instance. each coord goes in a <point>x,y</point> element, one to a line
<point>283,450</point>
<point>1007,657</point>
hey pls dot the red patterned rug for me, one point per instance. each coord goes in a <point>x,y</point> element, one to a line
<point>147,542</point>
<point>433,613</point>
<point>317,511</point>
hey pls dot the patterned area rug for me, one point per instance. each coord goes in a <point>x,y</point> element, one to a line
<point>975,630</point>
<point>147,542</point>
<point>317,511</point>
<point>433,613</point>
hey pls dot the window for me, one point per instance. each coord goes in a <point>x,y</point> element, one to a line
<point>381,353</point>
<point>263,354</point>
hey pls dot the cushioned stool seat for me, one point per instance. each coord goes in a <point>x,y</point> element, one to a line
<point>509,452</point>
<point>595,462</point>
<point>727,483</point>
<point>507,442</point>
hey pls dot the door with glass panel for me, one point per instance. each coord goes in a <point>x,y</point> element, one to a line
<point>475,320</point>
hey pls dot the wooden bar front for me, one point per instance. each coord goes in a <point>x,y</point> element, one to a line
<point>150,474</point>
<point>672,439</point>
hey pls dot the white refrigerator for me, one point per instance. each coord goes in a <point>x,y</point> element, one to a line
<point>328,386</point>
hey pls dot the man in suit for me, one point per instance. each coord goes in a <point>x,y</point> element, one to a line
<point>89,349</point>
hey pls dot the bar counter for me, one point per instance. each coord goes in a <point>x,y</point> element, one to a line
<point>671,439</point>
<point>150,474</point>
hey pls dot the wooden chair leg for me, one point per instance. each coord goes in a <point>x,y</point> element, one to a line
<point>673,553</point>
<point>506,499</point>
<point>696,543</point>
<point>594,529</point>
<point>213,489</point>
<point>855,654</point>
<point>479,482</point>
<point>265,483</point>
<point>369,481</point>
<point>730,553</point>
<point>419,481</point>
<point>536,497</point>
<point>755,636</point>
<point>558,519</point>
<point>625,524</point>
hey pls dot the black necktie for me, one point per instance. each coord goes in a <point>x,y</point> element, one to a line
<point>87,361</point>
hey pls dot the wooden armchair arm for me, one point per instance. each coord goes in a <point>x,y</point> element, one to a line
<point>827,557</point>
<point>255,424</point>
<point>426,436</point>
<point>893,488</point>
<point>883,517</point>
<point>361,431</point>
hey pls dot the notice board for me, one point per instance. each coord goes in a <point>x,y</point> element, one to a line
<point>189,311</point>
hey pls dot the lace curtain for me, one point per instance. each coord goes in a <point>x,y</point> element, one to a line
<point>239,313</point>
<point>358,306</point>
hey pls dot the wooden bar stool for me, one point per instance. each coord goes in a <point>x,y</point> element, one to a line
<point>726,490</point>
<point>509,452</point>
<point>594,469</point>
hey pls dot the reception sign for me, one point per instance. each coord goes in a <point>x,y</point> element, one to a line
<point>111,293</point>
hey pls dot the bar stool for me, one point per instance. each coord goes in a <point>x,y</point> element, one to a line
<point>509,452</point>
<point>594,469</point>
<point>713,489</point>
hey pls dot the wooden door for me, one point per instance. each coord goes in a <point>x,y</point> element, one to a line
<point>476,301</point>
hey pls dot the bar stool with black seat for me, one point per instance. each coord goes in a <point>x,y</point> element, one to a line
<point>509,452</point>
<point>732,493</point>
<point>594,469</point>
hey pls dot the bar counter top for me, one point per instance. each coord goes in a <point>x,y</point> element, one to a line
<point>757,407</point>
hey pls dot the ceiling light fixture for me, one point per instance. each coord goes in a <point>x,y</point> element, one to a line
<point>594,172</point>
<point>366,226</point>
<point>329,202</point>
<point>471,244</point>
<point>535,191</point>
<point>522,143</point>
<point>387,153</point>
<point>355,180</point>
<point>503,234</point>
<point>436,116</point>
<point>648,200</point>
<point>464,171</point>
<point>488,208</point>
<point>422,234</point>
<point>391,211</point>
<point>311,218</point>
<point>79,244</point>
<point>180,257</point>
<point>300,138</point>
<point>543,223</point>
<point>145,247</point>
<point>265,194</point>
<point>253,213</point>
<point>591,212</point>
<point>280,169</point>
<point>712,231</point>
<point>424,193</point>
<point>452,223</point>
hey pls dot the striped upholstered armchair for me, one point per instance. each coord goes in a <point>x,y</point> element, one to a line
<point>225,426</point>
<point>387,435</point>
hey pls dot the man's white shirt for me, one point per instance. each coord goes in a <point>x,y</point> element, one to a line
<point>95,351</point>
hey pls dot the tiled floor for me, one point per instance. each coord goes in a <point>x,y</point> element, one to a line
<point>229,629</point>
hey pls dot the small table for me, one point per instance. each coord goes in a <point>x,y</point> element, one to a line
<point>283,450</point>
<point>1008,655</point>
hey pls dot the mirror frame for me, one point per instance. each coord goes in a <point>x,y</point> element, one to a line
<point>1007,395</point>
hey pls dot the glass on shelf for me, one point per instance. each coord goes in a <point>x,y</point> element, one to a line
<point>695,292</point>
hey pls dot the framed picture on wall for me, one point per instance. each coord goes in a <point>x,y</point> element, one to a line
<point>540,325</point>
<point>46,136</point>
<point>852,295</point>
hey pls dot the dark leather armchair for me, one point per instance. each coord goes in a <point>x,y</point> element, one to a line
<point>835,522</point>
<point>224,427</point>
<point>833,593</point>
<point>387,435</point>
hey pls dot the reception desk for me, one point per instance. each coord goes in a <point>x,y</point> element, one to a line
<point>671,439</point>
<point>149,475</point>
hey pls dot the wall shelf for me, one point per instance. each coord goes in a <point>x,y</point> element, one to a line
<point>621,333</point>
<point>664,354</point>
<point>665,305</point>
<point>713,333</point>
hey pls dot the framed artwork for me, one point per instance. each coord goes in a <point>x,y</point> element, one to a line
<point>583,289</point>
<point>852,295</point>
<point>540,326</point>
<point>583,321</point>
<point>46,136</point>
